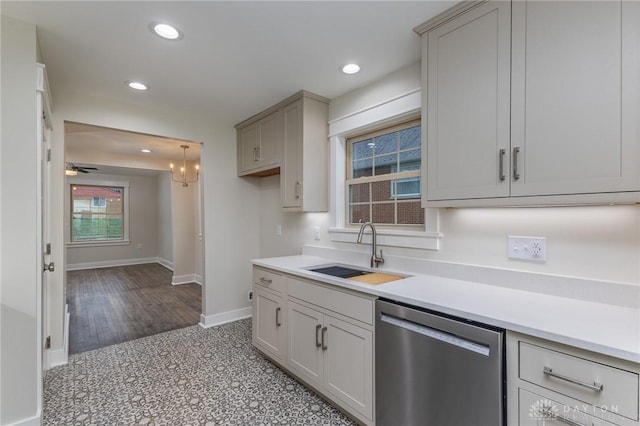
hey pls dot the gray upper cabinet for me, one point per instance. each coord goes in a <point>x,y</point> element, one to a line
<point>467,103</point>
<point>290,139</point>
<point>572,92</point>
<point>304,180</point>
<point>532,103</point>
<point>259,146</point>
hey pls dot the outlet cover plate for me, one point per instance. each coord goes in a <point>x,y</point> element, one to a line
<point>527,248</point>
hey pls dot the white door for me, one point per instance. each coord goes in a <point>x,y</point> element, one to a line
<point>46,266</point>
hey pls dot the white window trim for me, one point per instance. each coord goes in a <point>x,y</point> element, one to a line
<point>125,241</point>
<point>395,109</point>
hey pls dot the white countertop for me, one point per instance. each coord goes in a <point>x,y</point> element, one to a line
<point>603,328</point>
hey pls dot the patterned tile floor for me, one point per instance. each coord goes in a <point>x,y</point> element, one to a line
<point>190,376</point>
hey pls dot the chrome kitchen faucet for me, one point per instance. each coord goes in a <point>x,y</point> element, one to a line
<point>375,260</point>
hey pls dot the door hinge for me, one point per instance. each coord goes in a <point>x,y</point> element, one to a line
<point>47,342</point>
<point>48,249</point>
<point>49,154</point>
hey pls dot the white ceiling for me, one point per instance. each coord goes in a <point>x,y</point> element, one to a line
<point>82,137</point>
<point>236,58</point>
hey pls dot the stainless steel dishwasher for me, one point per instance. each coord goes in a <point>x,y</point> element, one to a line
<point>435,370</point>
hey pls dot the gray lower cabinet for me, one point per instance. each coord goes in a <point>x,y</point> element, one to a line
<point>554,384</point>
<point>322,335</point>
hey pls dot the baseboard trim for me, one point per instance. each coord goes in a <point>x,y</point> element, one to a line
<point>183,279</point>
<point>111,263</point>
<point>61,356</point>
<point>207,321</point>
<point>199,279</point>
<point>164,262</point>
<point>31,421</point>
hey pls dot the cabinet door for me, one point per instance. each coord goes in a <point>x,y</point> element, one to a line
<point>268,320</point>
<point>575,97</point>
<point>269,139</point>
<point>291,178</point>
<point>467,104</point>
<point>349,364</point>
<point>249,140</point>
<point>304,349</point>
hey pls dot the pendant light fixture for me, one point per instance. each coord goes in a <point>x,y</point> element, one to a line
<point>183,170</point>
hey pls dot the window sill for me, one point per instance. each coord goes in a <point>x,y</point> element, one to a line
<point>98,243</point>
<point>390,238</point>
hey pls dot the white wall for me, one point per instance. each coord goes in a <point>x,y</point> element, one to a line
<point>165,233</point>
<point>291,223</point>
<point>143,223</point>
<point>184,232</point>
<point>598,242</point>
<point>19,259</point>
<point>231,204</point>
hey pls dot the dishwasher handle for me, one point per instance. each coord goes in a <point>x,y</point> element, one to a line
<point>433,333</point>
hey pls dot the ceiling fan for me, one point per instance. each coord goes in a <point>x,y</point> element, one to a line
<point>72,170</point>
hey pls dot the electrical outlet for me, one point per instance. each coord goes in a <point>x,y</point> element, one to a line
<point>250,296</point>
<point>278,230</point>
<point>527,248</point>
<point>316,233</point>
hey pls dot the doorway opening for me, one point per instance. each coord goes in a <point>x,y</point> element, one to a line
<point>134,243</point>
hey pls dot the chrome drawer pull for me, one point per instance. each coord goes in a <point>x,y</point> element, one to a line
<point>516,174</point>
<point>549,414</point>
<point>595,386</point>
<point>278,323</point>
<point>324,345</point>
<point>318,344</point>
<point>264,280</point>
<point>501,155</point>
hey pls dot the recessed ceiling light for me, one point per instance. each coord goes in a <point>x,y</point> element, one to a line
<point>350,68</point>
<point>166,31</point>
<point>146,151</point>
<point>136,85</point>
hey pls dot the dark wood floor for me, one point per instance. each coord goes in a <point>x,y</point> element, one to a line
<point>114,305</point>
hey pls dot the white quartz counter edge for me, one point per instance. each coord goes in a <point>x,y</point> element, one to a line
<point>606,329</point>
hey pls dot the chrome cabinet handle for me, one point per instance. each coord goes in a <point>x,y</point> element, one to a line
<point>297,191</point>
<point>318,344</point>
<point>551,415</point>
<point>264,280</point>
<point>278,323</point>
<point>501,155</point>
<point>516,174</point>
<point>598,387</point>
<point>255,153</point>
<point>324,345</point>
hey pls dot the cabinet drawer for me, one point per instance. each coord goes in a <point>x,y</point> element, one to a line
<point>597,384</point>
<point>536,410</point>
<point>268,279</point>
<point>347,304</point>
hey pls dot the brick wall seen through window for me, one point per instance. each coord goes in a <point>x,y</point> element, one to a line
<point>383,176</point>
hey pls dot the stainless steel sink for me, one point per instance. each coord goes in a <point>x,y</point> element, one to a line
<point>340,271</point>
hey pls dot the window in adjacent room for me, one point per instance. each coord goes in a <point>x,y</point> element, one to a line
<point>97,213</point>
<point>383,177</point>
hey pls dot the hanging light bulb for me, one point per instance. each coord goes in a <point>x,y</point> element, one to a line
<point>183,169</point>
